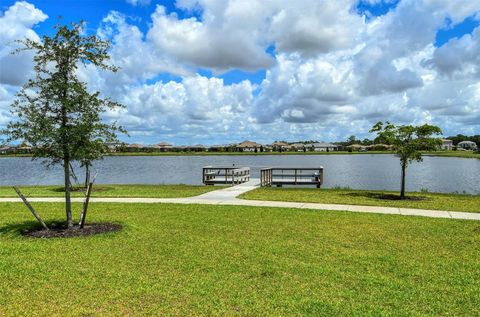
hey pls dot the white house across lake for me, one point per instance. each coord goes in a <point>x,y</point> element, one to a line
<point>322,147</point>
<point>447,145</point>
<point>467,145</point>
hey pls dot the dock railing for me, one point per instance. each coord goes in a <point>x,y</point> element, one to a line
<point>278,176</point>
<point>225,175</point>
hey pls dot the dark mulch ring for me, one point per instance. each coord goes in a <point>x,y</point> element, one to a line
<point>83,189</point>
<point>397,197</point>
<point>388,196</point>
<point>61,231</point>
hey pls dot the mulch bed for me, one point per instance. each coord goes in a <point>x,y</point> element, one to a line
<point>397,197</point>
<point>61,231</point>
<point>83,189</point>
<point>386,196</point>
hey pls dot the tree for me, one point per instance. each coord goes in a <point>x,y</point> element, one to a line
<point>55,113</point>
<point>408,142</point>
<point>351,140</point>
<point>366,141</point>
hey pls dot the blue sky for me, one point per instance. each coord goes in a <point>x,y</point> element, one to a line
<point>223,71</point>
<point>93,11</point>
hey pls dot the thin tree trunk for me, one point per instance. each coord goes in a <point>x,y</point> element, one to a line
<point>87,175</point>
<point>68,204</point>
<point>402,190</point>
<point>83,216</point>
<point>66,152</point>
<point>35,214</point>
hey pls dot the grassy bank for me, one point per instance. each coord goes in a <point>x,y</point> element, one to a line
<point>450,202</point>
<point>185,260</point>
<point>464,154</point>
<point>151,191</point>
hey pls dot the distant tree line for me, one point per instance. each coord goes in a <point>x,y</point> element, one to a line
<point>460,137</point>
<point>353,140</point>
<point>456,139</point>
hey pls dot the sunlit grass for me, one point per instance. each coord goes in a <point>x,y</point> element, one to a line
<point>449,202</point>
<point>153,191</point>
<point>186,260</point>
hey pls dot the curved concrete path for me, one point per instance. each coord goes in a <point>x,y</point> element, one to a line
<point>228,196</point>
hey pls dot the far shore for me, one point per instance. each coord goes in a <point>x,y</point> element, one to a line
<point>460,154</point>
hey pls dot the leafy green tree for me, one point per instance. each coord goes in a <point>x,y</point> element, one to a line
<point>351,140</point>
<point>55,112</point>
<point>408,141</point>
<point>367,141</point>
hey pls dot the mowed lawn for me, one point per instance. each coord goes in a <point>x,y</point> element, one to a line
<point>433,201</point>
<point>185,260</point>
<point>150,191</point>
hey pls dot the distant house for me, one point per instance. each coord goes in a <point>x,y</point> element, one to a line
<point>300,147</point>
<point>467,145</point>
<point>163,146</point>
<point>113,146</point>
<point>5,149</point>
<point>134,147</point>
<point>357,147</point>
<point>248,146</point>
<point>378,147</point>
<point>447,145</point>
<point>322,147</point>
<point>23,149</point>
<point>280,146</point>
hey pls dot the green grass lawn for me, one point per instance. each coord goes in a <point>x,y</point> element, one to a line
<point>464,154</point>
<point>197,260</point>
<point>151,191</point>
<point>450,202</point>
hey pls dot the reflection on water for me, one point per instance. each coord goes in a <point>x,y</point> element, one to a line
<point>437,174</point>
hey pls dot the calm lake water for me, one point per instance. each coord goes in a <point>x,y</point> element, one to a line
<point>437,174</point>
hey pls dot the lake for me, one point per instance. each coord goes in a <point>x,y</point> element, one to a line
<point>366,171</point>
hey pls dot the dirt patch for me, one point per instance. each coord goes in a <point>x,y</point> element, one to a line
<point>387,196</point>
<point>83,189</point>
<point>61,231</point>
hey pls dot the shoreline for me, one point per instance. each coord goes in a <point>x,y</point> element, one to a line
<point>55,190</point>
<point>458,154</point>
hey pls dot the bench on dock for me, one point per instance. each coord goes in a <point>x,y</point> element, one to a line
<point>279,176</point>
<point>225,175</point>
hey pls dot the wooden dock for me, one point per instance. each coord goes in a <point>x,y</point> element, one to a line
<point>225,175</point>
<point>279,176</point>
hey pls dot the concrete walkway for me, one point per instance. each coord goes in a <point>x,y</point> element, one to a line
<point>228,196</point>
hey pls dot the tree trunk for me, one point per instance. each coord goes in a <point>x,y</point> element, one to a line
<point>33,211</point>
<point>402,190</point>
<point>87,175</point>
<point>68,204</point>
<point>83,216</point>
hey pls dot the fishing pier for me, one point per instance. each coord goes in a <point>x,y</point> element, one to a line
<point>225,175</point>
<point>279,176</point>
